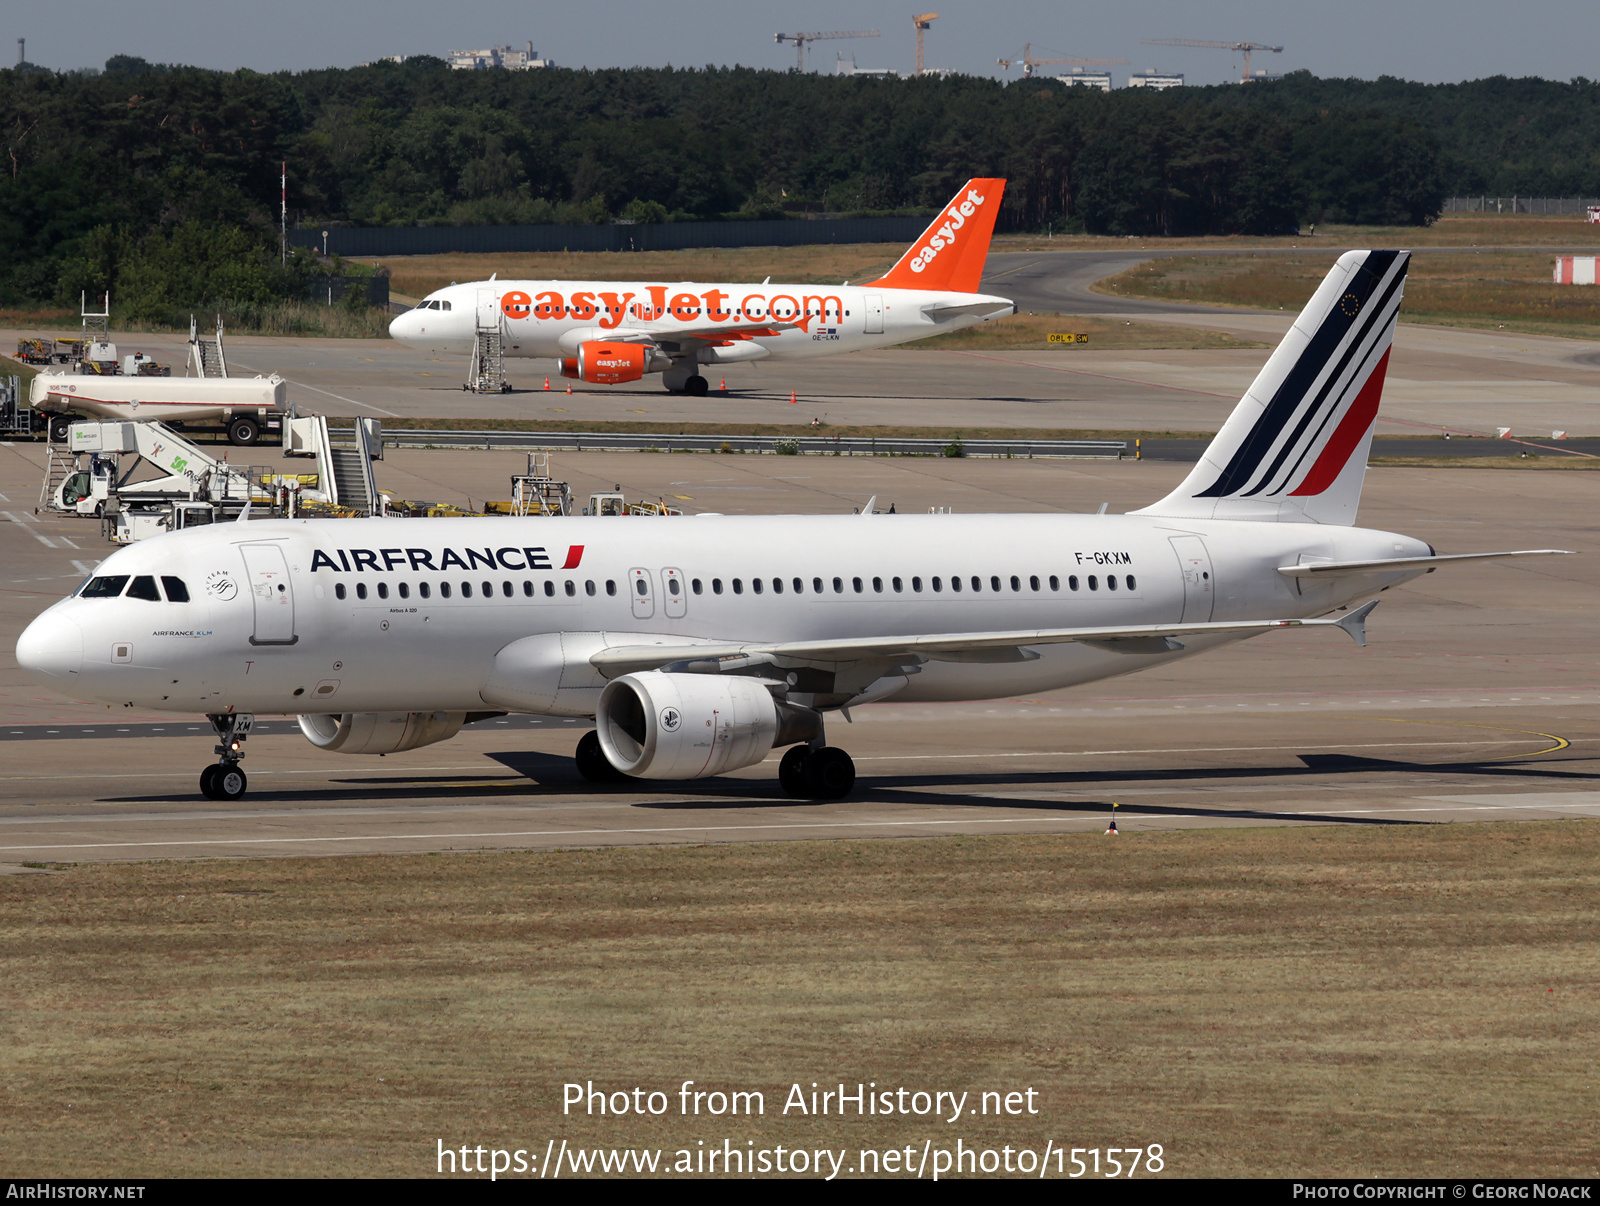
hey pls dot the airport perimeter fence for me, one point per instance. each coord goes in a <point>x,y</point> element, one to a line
<point>1519,205</point>
<point>640,236</point>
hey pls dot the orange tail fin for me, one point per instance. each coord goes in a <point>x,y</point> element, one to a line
<point>950,253</point>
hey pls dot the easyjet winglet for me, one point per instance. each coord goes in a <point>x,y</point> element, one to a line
<point>613,333</point>
<point>951,252</point>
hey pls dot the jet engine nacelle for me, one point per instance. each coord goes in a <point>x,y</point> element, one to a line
<point>601,362</point>
<point>380,732</point>
<point>657,725</point>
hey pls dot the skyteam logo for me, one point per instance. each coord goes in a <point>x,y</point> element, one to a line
<point>945,236</point>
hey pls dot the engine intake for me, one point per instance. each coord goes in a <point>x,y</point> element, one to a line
<point>380,732</point>
<point>602,362</point>
<point>655,725</point>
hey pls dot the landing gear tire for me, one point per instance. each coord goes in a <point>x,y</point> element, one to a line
<point>792,771</point>
<point>243,432</point>
<point>208,782</point>
<point>829,773</point>
<point>592,762</point>
<point>697,385</point>
<point>229,783</point>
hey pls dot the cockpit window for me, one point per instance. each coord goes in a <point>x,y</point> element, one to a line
<point>144,587</point>
<point>177,592</point>
<point>433,303</point>
<point>108,586</point>
<point>443,305</point>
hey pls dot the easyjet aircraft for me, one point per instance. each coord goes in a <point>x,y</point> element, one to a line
<point>607,332</point>
<point>701,644</point>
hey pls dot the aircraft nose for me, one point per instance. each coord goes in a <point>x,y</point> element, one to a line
<point>404,326</point>
<point>51,650</point>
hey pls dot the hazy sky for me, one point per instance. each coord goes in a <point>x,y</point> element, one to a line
<point>1414,39</point>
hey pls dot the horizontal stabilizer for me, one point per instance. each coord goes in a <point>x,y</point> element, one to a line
<point>1334,569</point>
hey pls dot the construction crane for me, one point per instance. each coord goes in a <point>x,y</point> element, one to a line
<point>921,23</point>
<point>1028,62</point>
<point>1245,47</point>
<point>800,40</point>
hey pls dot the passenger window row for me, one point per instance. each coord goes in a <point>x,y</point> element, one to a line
<point>484,589</point>
<point>936,584</point>
<point>820,586</point>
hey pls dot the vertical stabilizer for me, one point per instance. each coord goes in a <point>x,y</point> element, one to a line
<point>1295,448</point>
<point>950,254</point>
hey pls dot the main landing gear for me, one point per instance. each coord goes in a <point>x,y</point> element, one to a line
<point>822,773</point>
<point>224,780</point>
<point>683,377</point>
<point>592,762</point>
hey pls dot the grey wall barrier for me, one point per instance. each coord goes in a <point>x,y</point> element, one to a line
<point>663,236</point>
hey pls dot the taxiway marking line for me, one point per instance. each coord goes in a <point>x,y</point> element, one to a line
<point>1096,808</point>
<point>342,398</point>
<point>34,532</point>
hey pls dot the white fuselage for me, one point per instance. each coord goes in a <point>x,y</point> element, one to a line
<point>390,615</point>
<point>551,318</point>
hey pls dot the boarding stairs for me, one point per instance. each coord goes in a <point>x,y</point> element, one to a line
<point>487,372</point>
<point>206,357</point>
<point>344,472</point>
<point>60,464</point>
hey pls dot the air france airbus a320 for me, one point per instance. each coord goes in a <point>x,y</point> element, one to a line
<point>701,644</point>
<point>609,333</point>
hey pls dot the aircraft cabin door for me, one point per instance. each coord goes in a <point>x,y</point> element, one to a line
<point>640,590</point>
<point>271,592</point>
<point>488,310</point>
<point>675,600</point>
<point>1199,590</point>
<point>874,305</point>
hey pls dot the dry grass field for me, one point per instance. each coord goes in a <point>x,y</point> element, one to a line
<point>1490,289</point>
<point>1351,1000</point>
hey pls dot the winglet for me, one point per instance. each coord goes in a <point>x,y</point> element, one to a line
<point>1356,622</point>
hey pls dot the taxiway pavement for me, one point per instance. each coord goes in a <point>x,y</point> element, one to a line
<point>1475,700</point>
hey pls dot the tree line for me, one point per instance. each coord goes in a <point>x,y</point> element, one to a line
<point>162,182</point>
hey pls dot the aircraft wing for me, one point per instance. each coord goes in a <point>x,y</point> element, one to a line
<point>710,334</point>
<point>954,647</point>
<point>1333,569</point>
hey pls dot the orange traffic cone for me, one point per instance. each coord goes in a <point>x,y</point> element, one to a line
<point>792,397</point>
<point>724,385</point>
<point>547,383</point>
<point>569,387</point>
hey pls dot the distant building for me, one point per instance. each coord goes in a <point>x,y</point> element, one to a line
<point>496,56</point>
<point>1159,80</point>
<point>1260,77</point>
<point>1079,78</point>
<point>847,66</point>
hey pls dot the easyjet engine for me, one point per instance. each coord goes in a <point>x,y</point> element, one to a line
<point>608,362</point>
<point>380,732</point>
<point>657,725</point>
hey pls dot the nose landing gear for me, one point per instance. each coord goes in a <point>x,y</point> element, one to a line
<point>224,780</point>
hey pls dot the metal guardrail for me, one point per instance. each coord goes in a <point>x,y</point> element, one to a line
<point>806,445</point>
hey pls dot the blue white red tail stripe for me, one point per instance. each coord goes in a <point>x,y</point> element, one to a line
<point>1295,446</point>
